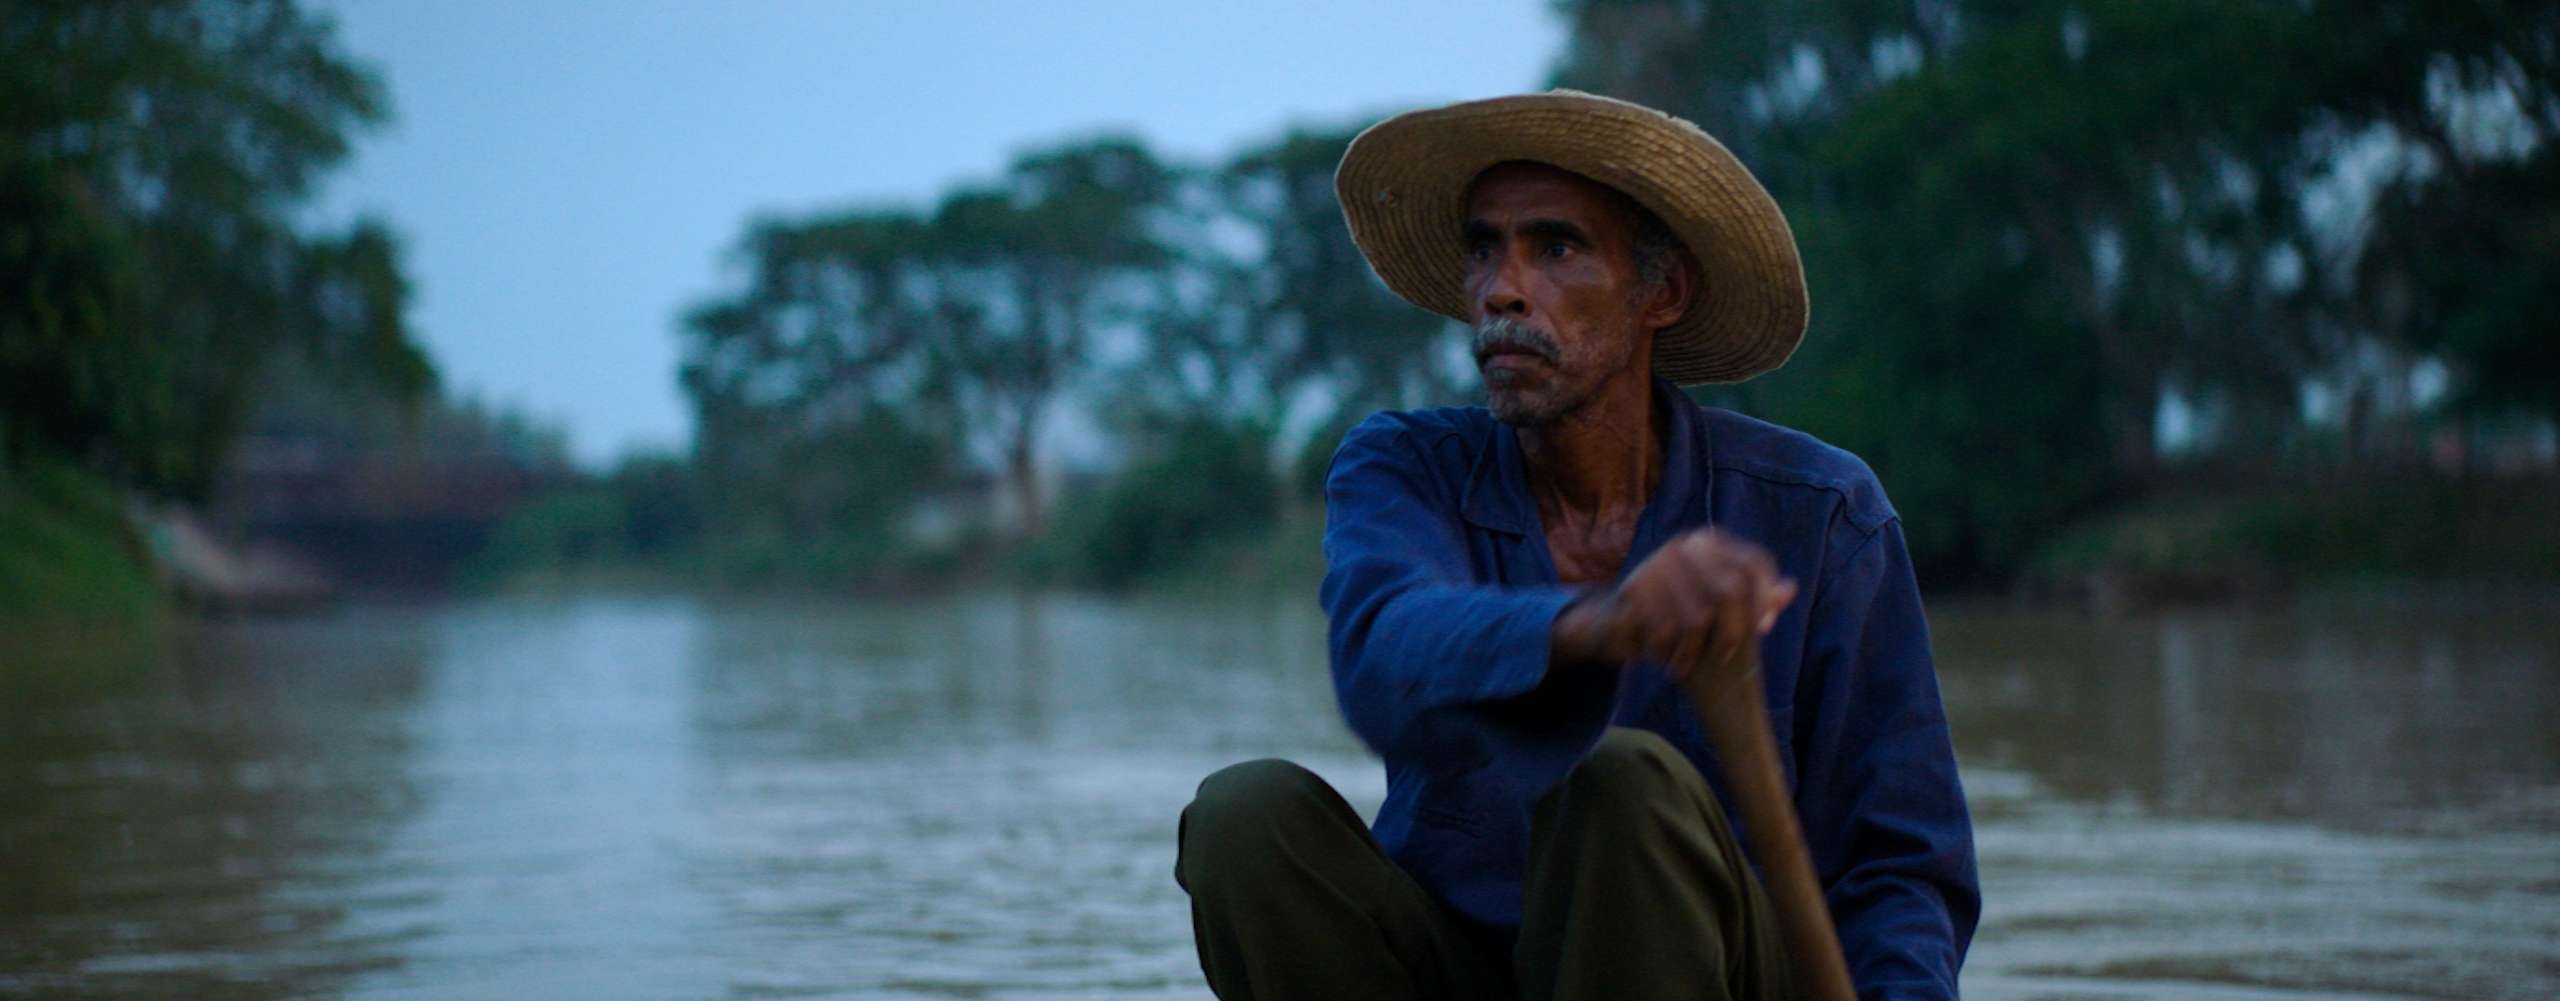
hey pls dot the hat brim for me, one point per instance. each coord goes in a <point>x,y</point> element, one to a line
<point>1403,186</point>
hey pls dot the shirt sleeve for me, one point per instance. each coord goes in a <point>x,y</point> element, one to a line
<point>1411,629</point>
<point>1882,806</point>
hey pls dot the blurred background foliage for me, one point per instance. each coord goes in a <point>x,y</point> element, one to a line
<point>887,366</point>
<point>2322,234</point>
<point>2164,284</point>
<point>2032,226</point>
<point>153,273</point>
<point>154,155</point>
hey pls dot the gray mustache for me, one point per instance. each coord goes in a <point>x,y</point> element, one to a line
<point>1503,333</point>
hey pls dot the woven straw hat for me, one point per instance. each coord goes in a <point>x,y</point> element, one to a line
<point>1403,186</point>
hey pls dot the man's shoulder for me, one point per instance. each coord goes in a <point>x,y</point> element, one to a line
<point>1786,459</point>
<point>1424,425</point>
<point>1441,433</point>
<point>1439,446</point>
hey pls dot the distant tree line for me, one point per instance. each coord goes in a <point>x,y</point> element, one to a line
<point>2046,239</point>
<point>2061,252</point>
<point>875,359</point>
<point>2315,229</point>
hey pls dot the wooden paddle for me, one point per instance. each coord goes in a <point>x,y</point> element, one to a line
<point>1735,712</point>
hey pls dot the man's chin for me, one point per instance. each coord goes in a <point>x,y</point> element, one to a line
<point>1518,409</point>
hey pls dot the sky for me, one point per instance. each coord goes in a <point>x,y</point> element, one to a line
<point>567,177</point>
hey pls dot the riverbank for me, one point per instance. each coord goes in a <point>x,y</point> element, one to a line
<point>2222,543</point>
<point>2183,548</point>
<point>77,594</point>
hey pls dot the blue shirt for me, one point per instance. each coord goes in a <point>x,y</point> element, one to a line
<point>1441,592</point>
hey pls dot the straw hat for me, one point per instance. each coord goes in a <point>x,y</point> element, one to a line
<point>1403,186</point>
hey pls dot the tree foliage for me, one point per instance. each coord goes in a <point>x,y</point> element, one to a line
<point>153,153</point>
<point>2028,224</point>
<point>1179,305</point>
<point>869,351</point>
<point>1323,316</point>
<point>1204,482</point>
<point>1026,274</point>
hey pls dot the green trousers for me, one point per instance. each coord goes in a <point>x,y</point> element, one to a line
<point>1635,889</point>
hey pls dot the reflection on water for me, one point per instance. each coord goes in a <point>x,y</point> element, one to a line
<point>2342,802</point>
<point>223,833</point>
<point>2358,717</point>
<point>974,797</point>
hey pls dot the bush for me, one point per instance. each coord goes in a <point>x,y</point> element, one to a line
<point>2322,528</point>
<point>1206,483</point>
<point>642,521</point>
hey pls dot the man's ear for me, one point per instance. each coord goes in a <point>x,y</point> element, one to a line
<point>1668,301</point>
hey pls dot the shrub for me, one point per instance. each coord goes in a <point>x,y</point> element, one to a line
<point>1206,482</point>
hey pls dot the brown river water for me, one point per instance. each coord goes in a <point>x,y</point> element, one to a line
<point>974,797</point>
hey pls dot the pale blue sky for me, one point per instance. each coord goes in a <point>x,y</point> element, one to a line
<point>568,176</point>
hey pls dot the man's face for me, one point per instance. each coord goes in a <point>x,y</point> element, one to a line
<point>1559,304</point>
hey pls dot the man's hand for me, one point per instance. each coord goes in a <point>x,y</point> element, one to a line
<point>1699,603</point>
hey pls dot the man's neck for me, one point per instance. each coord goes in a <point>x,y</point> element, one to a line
<point>1600,462</point>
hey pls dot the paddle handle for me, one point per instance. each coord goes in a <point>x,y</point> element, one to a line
<point>1736,717</point>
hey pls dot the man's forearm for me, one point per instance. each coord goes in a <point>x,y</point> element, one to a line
<point>1578,637</point>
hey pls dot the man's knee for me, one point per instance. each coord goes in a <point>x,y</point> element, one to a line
<point>1632,770</point>
<point>1241,811</point>
<point>1252,792</point>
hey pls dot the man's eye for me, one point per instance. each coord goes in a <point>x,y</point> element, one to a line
<point>1479,251</point>
<point>1556,248</point>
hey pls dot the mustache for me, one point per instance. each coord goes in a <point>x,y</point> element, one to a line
<point>1503,333</point>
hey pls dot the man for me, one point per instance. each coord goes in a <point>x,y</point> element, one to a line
<point>1514,591</point>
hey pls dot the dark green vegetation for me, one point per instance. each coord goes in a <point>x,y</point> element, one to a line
<point>152,273</point>
<point>638,526</point>
<point>78,582</point>
<point>1205,487</point>
<point>2067,260</point>
<point>2030,224</point>
<point>154,153</point>
<point>870,402</point>
<point>2074,264</point>
<point>2224,536</point>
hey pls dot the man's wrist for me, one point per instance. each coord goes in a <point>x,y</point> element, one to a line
<point>1579,635</point>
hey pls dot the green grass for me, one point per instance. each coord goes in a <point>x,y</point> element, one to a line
<point>76,592</point>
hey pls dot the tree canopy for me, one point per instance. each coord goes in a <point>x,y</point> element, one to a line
<point>2046,241</point>
<point>2030,225</point>
<point>152,156</point>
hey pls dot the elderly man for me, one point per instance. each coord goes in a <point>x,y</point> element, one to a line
<point>1517,592</point>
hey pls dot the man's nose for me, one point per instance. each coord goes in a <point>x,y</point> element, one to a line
<point>1502,292</point>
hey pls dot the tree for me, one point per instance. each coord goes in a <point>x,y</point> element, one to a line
<point>811,387</point>
<point>868,351</point>
<point>2050,215</point>
<point>2470,273</point>
<point>1027,272</point>
<point>154,151</point>
<point>1324,316</point>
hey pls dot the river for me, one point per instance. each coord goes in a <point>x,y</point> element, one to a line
<point>974,797</point>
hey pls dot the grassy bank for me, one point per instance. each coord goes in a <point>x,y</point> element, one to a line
<point>76,591</point>
<point>2203,542</point>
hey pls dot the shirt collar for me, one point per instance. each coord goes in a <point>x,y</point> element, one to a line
<point>1497,495</point>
